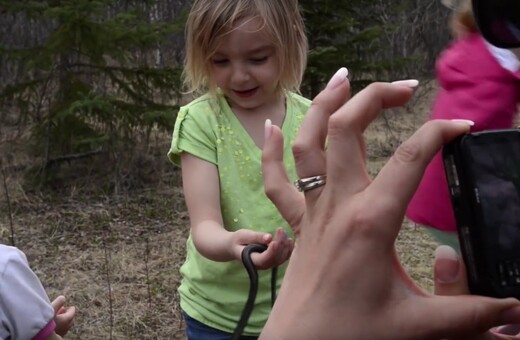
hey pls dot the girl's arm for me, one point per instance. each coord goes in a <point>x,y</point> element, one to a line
<point>62,322</point>
<point>31,314</point>
<point>202,193</point>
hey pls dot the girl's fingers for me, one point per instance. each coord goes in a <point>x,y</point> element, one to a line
<point>268,258</point>
<point>58,303</point>
<point>68,315</point>
<point>277,252</point>
<point>246,236</point>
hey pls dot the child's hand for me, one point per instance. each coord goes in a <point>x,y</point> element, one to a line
<point>63,316</point>
<point>278,250</point>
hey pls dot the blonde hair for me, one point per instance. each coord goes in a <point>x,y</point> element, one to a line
<point>463,19</point>
<point>210,20</point>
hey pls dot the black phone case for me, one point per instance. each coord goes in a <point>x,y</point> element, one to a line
<point>489,272</point>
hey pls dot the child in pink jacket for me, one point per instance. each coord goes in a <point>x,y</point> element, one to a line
<point>479,82</point>
<point>25,310</point>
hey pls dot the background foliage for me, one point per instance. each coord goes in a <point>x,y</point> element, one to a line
<point>89,90</point>
<point>98,80</point>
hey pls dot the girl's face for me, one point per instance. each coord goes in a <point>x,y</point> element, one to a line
<point>245,67</point>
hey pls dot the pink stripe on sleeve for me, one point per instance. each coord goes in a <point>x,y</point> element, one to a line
<point>46,331</point>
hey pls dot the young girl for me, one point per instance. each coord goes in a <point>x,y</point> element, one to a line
<point>479,82</point>
<point>25,309</point>
<point>248,58</point>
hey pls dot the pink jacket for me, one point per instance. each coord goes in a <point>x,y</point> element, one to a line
<point>473,85</point>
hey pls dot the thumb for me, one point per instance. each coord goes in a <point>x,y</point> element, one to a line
<point>58,303</point>
<point>449,273</point>
<point>450,279</point>
<point>246,236</point>
<point>465,317</point>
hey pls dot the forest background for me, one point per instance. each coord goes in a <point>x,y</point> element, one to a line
<point>89,91</point>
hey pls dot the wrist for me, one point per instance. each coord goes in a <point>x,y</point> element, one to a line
<point>213,242</point>
<point>231,246</point>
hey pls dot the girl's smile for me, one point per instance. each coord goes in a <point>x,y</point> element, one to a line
<point>246,93</point>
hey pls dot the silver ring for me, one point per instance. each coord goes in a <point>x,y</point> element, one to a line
<point>308,183</point>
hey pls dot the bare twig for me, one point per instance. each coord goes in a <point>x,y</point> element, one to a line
<point>54,160</point>
<point>107,275</point>
<point>9,211</point>
<point>146,259</point>
<point>71,157</point>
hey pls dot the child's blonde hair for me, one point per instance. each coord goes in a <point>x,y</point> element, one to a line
<point>210,20</point>
<point>463,19</point>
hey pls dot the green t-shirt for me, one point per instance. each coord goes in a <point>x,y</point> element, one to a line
<point>214,293</point>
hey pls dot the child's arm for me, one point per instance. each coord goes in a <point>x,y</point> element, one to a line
<point>63,316</point>
<point>62,322</point>
<point>30,313</point>
<point>212,240</point>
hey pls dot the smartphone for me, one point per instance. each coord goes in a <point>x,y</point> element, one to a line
<point>483,173</point>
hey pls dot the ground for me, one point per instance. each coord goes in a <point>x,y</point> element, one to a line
<point>117,257</point>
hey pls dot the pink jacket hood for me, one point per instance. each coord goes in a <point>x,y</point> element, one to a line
<point>473,85</point>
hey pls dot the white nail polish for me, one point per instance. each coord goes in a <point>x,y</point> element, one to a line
<point>464,121</point>
<point>446,252</point>
<point>407,83</point>
<point>339,77</point>
<point>268,127</point>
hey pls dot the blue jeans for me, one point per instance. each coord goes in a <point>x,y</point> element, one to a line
<point>196,330</point>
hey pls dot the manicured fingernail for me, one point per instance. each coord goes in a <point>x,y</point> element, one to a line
<point>407,83</point>
<point>268,128</point>
<point>447,259</point>
<point>464,121</point>
<point>513,329</point>
<point>339,77</point>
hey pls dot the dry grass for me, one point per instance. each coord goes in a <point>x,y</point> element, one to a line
<point>117,258</point>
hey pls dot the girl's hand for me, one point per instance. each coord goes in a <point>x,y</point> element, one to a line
<point>63,316</point>
<point>278,249</point>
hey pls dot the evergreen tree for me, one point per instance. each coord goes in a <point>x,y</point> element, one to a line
<point>93,81</point>
<point>342,33</point>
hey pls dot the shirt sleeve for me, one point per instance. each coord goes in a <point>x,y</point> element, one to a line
<point>25,307</point>
<point>194,133</point>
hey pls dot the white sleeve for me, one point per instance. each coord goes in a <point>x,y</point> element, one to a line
<point>506,58</point>
<point>25,308</point>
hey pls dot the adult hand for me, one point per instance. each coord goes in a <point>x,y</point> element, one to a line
<point>344,280</point>
<point>450,280</point>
